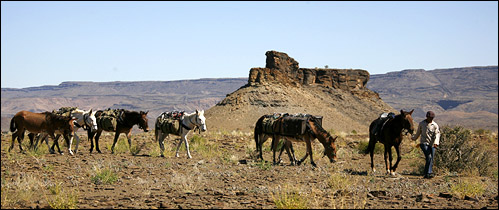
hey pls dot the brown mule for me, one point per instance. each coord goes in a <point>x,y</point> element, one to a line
<point>391,134</point>
<point>45,122</point>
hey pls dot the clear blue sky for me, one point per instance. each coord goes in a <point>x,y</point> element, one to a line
<point>46,43</point>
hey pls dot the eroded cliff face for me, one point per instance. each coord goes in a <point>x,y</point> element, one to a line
<point>280,68</point>
<point>339,95</point>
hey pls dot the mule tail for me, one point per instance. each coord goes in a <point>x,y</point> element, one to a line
<point>258,130</point>
<point>369,148</point>
<point>12,125</point>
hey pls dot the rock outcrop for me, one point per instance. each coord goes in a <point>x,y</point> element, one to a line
<point>339,95</point>
<point>280,68</point>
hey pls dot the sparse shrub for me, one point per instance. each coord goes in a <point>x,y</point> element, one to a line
<point>467,188</point>
<point>354,132</point>
<point>104,176</point>
<point>62,199</point>
<point>338,182</point>
<point>379,148</point>
<point>264,165</point>
<point>289,199</point>
<point>459,152</point>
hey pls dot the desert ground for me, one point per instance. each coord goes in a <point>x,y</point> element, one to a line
<point>224,173</point>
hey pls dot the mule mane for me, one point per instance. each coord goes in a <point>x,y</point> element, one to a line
<point>319,128</point>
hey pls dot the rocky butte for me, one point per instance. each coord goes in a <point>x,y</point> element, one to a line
<point>339,95</point>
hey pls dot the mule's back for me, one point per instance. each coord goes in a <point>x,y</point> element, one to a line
<point>33,122</point>
<point>169,122</point>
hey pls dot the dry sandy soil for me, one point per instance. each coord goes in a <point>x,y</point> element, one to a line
<point>224,173</point>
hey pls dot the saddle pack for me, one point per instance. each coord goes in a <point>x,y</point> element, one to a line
<point>269,120</point>
<point>64,111</point>
<point>381,121</point>
<point>108,120</point>
<point>294,125</point>
<point>169,122</point>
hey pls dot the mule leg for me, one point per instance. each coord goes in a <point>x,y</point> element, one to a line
<point>116,136</point>
<point>288,146</point>
<point>309,150</point>
<point>397,149</point>
<point>178,146</point>
<point>292,153</point>
<point>91,139</point>
<point>14,136</point>
<point>71,142</point>
<point>37,140</point>
<point>259,142</point>
<point>19,140</point>
<point>370,148</point>
<point>44,137</point>
<point>388,156</point>
<point>275,142</point>
<point>184,137</point>
<point>161,137</point>
<point>56,142</point>
<point>97,136</point>
<point>77,143</point>
<point>282,150</point>
<point>129,137</point>
<point>31,137</point>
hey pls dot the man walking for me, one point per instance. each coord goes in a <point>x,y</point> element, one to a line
<point>430,137</point>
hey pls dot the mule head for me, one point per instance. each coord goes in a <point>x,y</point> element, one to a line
<point>69,126</point>
<point>330,149</point>
<point>91,120</point>
<point>143,123</point>
<point>407,122</point>
<point>201,120</point>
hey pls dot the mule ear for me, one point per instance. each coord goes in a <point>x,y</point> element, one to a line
<point>90,112</point>
<point>411,112</point>
<point>197,112</point>
<point>402,112</point>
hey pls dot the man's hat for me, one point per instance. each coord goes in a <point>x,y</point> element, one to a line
<point>430,114</point>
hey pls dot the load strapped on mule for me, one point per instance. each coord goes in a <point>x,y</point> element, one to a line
<point>64,111</point>
<point>381,121</point>
<point>170,122</point>
<point>108,120</point>
<point>292,125</point>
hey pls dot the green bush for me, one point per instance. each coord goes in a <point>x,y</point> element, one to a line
<point>379,148</point>
<point>459,152</point>
<point>105,176</point>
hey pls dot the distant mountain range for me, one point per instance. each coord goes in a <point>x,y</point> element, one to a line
<point>459,96</point>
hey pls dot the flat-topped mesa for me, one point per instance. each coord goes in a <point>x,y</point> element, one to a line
<point>280,68</point>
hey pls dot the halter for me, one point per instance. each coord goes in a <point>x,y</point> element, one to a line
<point>85,126</point>
<point>195,124</point>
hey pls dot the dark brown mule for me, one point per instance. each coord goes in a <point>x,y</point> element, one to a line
<point>261,137</point>
<point>124,125</point>
<point>391,134</point>
<point>313,130</point>
<point>45,122</point>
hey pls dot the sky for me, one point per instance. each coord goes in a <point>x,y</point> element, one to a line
<point>46,43</point>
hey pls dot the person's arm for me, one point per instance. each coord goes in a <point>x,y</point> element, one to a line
<point>418,132</point>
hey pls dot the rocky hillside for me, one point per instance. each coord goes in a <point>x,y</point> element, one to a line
<point>154,96</point>
<point>339,95</point>
<point>459,96</point>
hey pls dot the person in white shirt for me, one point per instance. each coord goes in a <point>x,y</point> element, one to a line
<point>430,138</point>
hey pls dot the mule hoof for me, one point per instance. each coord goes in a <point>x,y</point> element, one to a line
<point>298,162</point>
